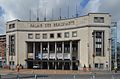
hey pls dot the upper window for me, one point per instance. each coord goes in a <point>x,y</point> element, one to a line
<point>66,34</point>
<point>11,26</point>
<point>99,19</point>
<point>30,36</point>
<point>45,36</point>
<point>59,35</point>
<point>99,42</point>
<point>74,34</point>
<point>12,45</point>
<point>52,35</point>
<point>37,36</point>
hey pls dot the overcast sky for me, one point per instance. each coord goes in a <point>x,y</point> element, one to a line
<point>20,9</point>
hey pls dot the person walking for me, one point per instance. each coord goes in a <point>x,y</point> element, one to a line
<point>18,68</point>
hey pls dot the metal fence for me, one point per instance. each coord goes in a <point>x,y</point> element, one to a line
<point>76,76</point>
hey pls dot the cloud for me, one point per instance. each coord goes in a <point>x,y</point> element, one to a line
<point>112,7</point>
<point>20,9</point>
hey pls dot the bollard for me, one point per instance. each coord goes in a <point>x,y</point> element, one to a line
<point>17,77</point>
<point>74,76</point>
<point>113,77</point>
<point>93,76</point>
<point>35,76</point>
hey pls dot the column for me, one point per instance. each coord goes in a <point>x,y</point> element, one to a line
<point>26,65</point>
<point>62,65</point>
<point>55,55</point>
<point>34,50</point>
<point>48,65</point>
<point>41,50</point>
<point>78,54</point>
<point>63,55</point>
<point>48,55</point>
<point>71,55</point>
<point>41,54</point>
<point>63,50</point>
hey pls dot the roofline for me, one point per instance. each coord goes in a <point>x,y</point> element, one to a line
<point>2,36</point>
<point>57,19</point>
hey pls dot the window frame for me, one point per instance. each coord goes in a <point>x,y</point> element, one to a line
<point>30,36</point>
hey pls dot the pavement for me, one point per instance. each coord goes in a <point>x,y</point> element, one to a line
<point>57,74</point>
<point>38,71</point>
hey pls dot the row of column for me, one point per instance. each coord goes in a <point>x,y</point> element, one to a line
<point>71,66</point>
<point>56,65</point>
<point>55,50</point>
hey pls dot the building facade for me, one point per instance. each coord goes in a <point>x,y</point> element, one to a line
<point>2,50</point>
<point>113,45</point>
<point>118,55</point>
<point>61,44</point>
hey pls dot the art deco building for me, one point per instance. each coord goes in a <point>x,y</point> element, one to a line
<point>61,44</point>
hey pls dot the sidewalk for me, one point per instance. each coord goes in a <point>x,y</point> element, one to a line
<point>35,71</point>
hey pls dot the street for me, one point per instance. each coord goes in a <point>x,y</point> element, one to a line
<point>61,76</point>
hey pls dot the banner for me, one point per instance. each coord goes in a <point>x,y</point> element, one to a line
<point>59,55</point>
<point>45,55</point>
<point>66,56</point>
<point>52,55</point>
<point>30,55</point>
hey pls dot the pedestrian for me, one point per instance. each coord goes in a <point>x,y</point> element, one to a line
<point>18,68</point>
<point>115,70</point>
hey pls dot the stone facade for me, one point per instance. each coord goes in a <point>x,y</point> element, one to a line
<point>27,40</point>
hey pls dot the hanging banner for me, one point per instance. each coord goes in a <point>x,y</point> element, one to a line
<point>52,55</point>
<point>59,55</point>
<point>30,55</point>
<point>40,55</point>
<point>44,55</point>
<point>66,56</point>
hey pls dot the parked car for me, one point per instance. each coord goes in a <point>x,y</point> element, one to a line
<point>35,66</point>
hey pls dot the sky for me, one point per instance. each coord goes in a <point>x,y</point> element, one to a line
<point>21,9</point>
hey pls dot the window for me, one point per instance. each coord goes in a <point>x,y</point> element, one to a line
<point>12,45</point>
<point>37,36</point>
<point>98,46</point>
<point>59,35</point>
<point>74,34</point>
<point>98,38</point>
<point>30,36</point>
<point>99,19</point>
<point>98,51</point>
<point>51,35</point>
<point>11,26</point>
<point>101,65</point>
<point>66,34</point>
<point>44,36</point>
<point>96,65</point>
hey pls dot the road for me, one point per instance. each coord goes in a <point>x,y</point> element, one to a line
<point>66,76</point>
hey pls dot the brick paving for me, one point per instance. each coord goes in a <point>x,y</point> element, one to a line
<point>36,71</point>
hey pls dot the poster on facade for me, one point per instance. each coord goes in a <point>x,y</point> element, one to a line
<point>45,55</point>
<point>40,55</point>
<point>52,56</point>
<point>30,55</point>
<point>59,55</point>
<point>66,56</point>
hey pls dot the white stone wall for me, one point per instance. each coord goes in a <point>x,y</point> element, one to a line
<point>83,25</point>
